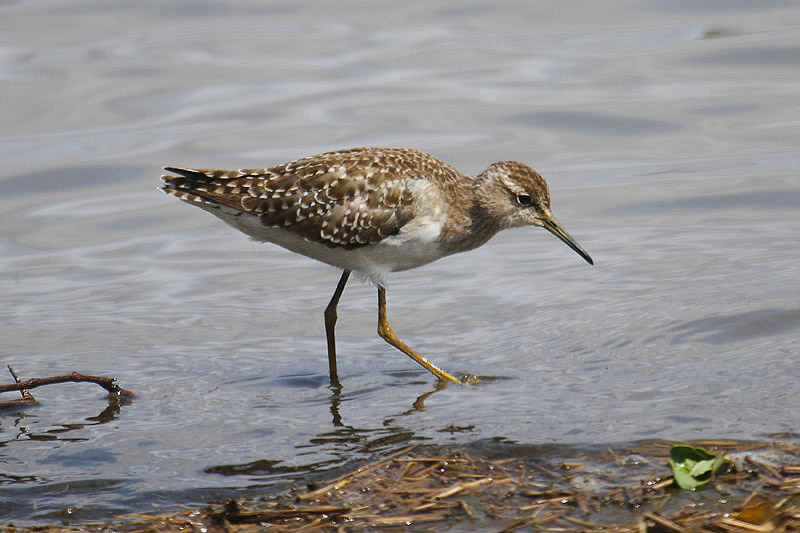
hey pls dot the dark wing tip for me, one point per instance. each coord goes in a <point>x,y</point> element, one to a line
<point>187,172</point>
<point>170,179</point>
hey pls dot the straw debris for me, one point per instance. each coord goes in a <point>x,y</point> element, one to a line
<point>434,489</point>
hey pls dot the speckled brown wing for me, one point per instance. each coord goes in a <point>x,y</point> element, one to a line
<point>350,199</point>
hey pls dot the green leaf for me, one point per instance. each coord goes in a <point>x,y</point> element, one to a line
<point>693,467</point>
<point>681,452</point>
<point>701,468</point>
<point>682,478</point>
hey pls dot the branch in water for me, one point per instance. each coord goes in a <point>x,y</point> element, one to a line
<point>75,377</point>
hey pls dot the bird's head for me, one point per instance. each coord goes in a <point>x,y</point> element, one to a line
<point>516,195</point>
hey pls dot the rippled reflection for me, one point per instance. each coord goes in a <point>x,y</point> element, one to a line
<point>349,441</point>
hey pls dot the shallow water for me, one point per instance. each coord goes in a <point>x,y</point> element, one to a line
<point>668,132</point>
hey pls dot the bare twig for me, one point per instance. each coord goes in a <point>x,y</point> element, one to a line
<point>27,397</point>
<point>75,377</point>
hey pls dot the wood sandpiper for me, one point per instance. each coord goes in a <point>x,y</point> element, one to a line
<point>373,211</point>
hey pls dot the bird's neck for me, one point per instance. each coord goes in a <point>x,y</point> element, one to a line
<point>471,227</point>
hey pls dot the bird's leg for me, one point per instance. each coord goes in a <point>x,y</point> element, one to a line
<point>388,335</point>
<point>330,322</point>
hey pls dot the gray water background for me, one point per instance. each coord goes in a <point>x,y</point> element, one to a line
<point>668,131</point>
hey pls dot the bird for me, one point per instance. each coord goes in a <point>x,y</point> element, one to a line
<point>372,211</point>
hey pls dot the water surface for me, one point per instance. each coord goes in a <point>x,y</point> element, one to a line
<point>668,134</point>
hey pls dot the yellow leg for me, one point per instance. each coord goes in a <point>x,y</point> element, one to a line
<point>330,322</point>
<point>388,335</point>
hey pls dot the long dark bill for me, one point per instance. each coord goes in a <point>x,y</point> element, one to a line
<point>556,229</point>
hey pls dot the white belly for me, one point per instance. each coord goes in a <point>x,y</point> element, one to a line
<point>416,244</point>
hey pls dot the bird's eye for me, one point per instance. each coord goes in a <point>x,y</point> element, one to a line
<point>524,200</point>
